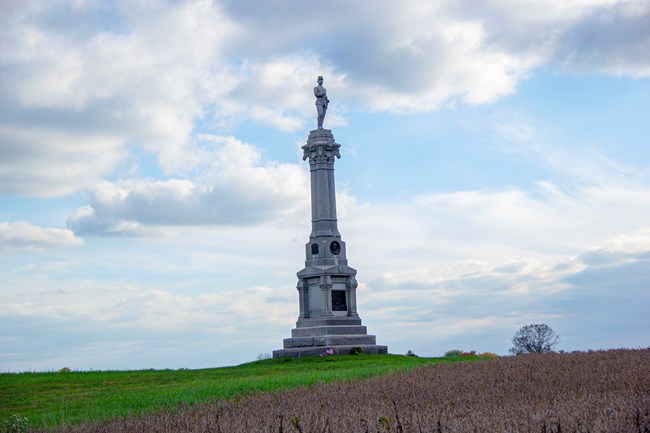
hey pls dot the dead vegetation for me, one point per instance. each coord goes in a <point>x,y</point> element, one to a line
<point>596,392</point>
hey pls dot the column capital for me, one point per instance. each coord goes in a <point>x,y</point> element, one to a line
<point>321,147</point>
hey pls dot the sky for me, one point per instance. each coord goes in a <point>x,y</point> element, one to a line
<point>154,205</point>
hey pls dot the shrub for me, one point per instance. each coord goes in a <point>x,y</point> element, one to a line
<point>453,352</point>
<point>411,353</point>
<point>489,355</point>
<point>65,370</point>
<point>356,351</point>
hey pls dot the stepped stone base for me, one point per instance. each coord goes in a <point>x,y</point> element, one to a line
<point>372,349</point>
<point>328,330</point>
<point>330,340</point>
<point>321,321</point>
<point>312,337</point>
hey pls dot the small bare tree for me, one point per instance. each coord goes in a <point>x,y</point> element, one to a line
<point>534,339</point>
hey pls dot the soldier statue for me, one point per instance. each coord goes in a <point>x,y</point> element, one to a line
<point>321,101</point>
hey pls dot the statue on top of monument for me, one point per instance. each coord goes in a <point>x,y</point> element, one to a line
<point>321,101</point>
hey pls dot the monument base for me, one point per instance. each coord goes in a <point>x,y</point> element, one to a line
<point>372,349</point>
<point>314,337</point>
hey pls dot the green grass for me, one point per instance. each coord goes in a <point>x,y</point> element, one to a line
<point>54,399</point>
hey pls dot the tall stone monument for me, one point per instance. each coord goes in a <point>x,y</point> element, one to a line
<point>327,286</point>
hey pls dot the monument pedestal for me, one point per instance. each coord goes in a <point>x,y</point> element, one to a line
<point>327,285</point>
<point>314,337</point>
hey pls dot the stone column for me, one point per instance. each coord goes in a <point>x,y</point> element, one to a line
<point>305,291</point>
<point>302,299</point>
<point>332,194</point>
<point>352,296</point>
<point>326,287</point>
<point>322,150</point>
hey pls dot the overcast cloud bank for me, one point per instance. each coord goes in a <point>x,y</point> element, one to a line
<point>472,302</point>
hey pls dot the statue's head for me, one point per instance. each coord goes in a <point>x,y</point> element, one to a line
<point>320,80</point>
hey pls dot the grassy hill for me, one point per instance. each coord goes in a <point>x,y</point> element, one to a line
<point>59,398</point>
<point>585,392</point>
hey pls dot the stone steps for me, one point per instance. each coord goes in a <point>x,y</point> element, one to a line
<point>371,349</point>
<point>330,340</point>
<point>313,323</point>
<point>316,331</point>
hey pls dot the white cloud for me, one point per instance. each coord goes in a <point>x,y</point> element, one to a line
<point>234,188</point>
<point>49,161</point>
<point>23,236</point>
<point>78,91</point>
<point>76,95</point>
<point>161,57</point>
<point>545,223</point>
<point>276,91</point>
<point>636,242</point>
<point>153,309</point>
<point>577,163</point>
<point>451,304</point>
<point>85,323</point>
<point>593,36</point>
<point>416,56</point>
<point>597,298</point>
<point>613,40</point>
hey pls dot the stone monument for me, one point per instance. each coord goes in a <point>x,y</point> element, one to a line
<point>327,287</point>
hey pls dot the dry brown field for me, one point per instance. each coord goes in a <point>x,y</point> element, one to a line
<point>595,392</point>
